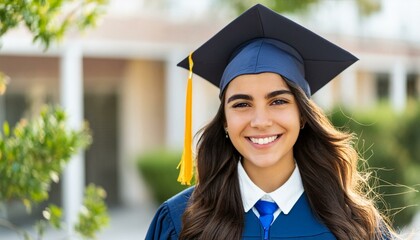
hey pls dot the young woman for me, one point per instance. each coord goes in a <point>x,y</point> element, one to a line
<point>270,165</point>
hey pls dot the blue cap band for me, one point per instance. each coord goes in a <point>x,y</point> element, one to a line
<point>266,55</point>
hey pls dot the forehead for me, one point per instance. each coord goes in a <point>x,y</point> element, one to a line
<point>253,83</point>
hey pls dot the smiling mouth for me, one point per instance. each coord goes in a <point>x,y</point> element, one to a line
<point>265,140</point>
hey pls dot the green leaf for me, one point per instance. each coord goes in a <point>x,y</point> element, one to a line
<point>34,155</point>
<point>6,129</point>
<point>53,214</point>
<point>93,215</point>
<point>48,21</point>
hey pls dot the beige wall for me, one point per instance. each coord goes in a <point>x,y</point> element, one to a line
<point>366,89</point>
<point>102,75</point>
<point>142,117</point>
<point>35,77</point>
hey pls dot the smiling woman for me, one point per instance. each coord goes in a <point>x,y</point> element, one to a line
<point>263,123</point>
<point>270,165</point>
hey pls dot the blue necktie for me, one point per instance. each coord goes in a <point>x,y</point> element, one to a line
<point>266,210</point>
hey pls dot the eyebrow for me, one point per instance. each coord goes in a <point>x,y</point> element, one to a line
<point>276,93</point>
<point>250,98</point>
<point>239,96</point>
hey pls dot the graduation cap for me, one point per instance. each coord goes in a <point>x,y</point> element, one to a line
<point>261,40</point>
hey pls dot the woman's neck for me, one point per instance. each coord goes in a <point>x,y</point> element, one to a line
<point>271,178</point>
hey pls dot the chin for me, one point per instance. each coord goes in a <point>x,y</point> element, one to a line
<point>263,163</point>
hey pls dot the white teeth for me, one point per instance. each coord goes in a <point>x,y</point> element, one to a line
<point>262,141</point>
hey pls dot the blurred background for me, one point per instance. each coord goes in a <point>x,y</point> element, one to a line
<point>123,75</point>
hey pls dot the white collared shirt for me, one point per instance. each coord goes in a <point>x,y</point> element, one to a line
<point>285,196</point>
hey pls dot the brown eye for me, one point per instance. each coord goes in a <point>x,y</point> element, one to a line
<point>279,102</point>
<point>240,105</point>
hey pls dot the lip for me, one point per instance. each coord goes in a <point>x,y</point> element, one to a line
<point>248,138</point>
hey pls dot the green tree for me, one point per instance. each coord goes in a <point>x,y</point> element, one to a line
<point>49,20</point>
<point>34,153</point>
<point>384,149</point>
<point>32,157</point>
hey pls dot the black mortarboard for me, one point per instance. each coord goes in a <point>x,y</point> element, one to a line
<point>261,40</point>
<point>321,59</point>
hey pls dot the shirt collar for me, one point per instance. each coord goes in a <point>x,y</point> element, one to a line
<point>285,196</point>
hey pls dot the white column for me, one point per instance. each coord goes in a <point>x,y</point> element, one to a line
<point>71,90</point>
<point>348,88</point>
<point>175,93</point>
<point>398,86</point>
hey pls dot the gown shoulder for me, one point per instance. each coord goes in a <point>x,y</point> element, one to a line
<point>166,223</point>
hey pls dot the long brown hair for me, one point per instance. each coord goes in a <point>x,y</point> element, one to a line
<point>327,162</point>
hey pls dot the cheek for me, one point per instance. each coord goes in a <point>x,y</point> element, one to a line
<point>290,118</point>
<point>235,122</point>
<point>232,120</point>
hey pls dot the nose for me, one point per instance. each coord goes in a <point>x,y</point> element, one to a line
<point>261,119</point>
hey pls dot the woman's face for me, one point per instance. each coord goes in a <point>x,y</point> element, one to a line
<point>263,120</point>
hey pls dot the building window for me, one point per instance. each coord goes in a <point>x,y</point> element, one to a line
<point>382,86</point>
<point>412,87</point>
<point>15,105</point>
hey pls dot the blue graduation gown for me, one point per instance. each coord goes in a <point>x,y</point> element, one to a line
<point>300,223</point>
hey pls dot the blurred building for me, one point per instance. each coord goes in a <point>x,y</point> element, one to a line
<point>133,93</point>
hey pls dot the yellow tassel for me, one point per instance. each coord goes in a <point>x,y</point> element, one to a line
<point>186,164</point>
